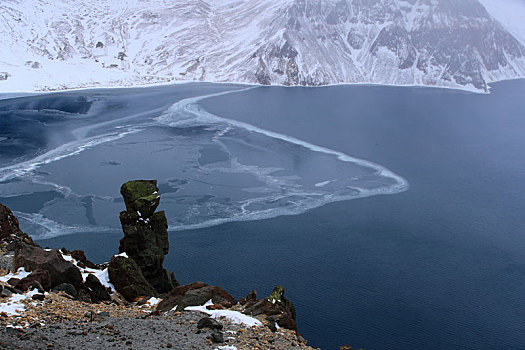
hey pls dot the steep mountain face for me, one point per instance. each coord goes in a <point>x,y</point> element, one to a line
<point>428,42</point>
<point>74,43</point>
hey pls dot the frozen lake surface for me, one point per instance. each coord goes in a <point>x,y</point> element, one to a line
<point>432,258</point>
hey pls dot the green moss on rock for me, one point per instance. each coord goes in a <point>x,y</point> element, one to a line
<point>277,295</point>
<point>141,196</point>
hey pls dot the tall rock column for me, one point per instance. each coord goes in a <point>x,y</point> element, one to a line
<point>146,232</point>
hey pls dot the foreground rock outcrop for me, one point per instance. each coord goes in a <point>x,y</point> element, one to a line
<point>44,270</point>
<point>277,309</point>
<point>56,268</point>
<point>47,289</point>
<point>195,294</point>
<point>146,233</point>
<point>127,278</point>
<point>8,223</point>
<point>9,227</point>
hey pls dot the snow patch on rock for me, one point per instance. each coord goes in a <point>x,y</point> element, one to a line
<point>234,316</point>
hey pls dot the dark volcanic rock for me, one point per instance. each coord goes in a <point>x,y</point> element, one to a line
<point>216,337</point>
<point>252,296</point>
<point>5,293</point>
<point>286,321</point>
<point>8,223</point>
<point>277,297</point>
<point>67,288</point>
<point>146,233</point>
<point>80,256</point>
<point>97,291</point>
<point>194,294</point>
<point>127,278</point>
<point>280,309</point>
<point>13,281</point>
<point>38,297</point>
<point>208,322</point>
<point>35,258</point>
<point>11,234</point>
<point>41,276</point>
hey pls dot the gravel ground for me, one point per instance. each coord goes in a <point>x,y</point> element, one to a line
<point>156,332</point>
<point>111,333</point>
<point>61,323</point>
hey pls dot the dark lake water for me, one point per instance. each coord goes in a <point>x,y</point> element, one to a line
<point>437,265</point>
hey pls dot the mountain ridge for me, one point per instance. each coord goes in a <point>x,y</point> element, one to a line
<point>291,42</point>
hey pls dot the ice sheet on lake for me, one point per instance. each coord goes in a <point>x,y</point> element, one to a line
<point>211,170</point>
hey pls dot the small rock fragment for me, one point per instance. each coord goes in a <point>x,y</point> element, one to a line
<point>40,297</point>
<point>208,322</point>
<point>216,337</point>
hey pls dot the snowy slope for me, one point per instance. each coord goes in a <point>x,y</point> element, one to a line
<point>59,44</point>
<point>510,13</point>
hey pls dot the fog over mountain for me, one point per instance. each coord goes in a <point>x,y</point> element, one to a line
<point>57,44</point>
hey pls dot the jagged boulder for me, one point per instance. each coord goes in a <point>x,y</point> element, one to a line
<point>127,278</point>
<point>10,232</point>
<point>80,256</point>
<point>96,290</point>
<point>208,322</point>
<point>252,296</point>
<point>8,223</point>
<point>277,297</point>
<point>279,309</point>
<point>41,276</point>
<point>146,233</point>
<point>66,288</point>
<point>194,294</point>
<point>35,258</point>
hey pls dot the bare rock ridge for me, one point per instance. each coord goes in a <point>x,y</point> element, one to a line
<point>145,238</point>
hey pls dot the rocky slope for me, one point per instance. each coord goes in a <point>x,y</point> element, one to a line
<point>52,298</point>
<point>67,44</point>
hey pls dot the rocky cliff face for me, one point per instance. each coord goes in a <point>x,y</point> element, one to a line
<point>425,42</point>
<point>291,42</point>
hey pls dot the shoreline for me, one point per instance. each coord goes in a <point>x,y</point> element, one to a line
<point>36,92</point>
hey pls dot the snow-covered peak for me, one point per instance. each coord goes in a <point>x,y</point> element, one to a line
<point>56,44</point>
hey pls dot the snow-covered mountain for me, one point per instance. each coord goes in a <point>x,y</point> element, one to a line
<point>56,44</point>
